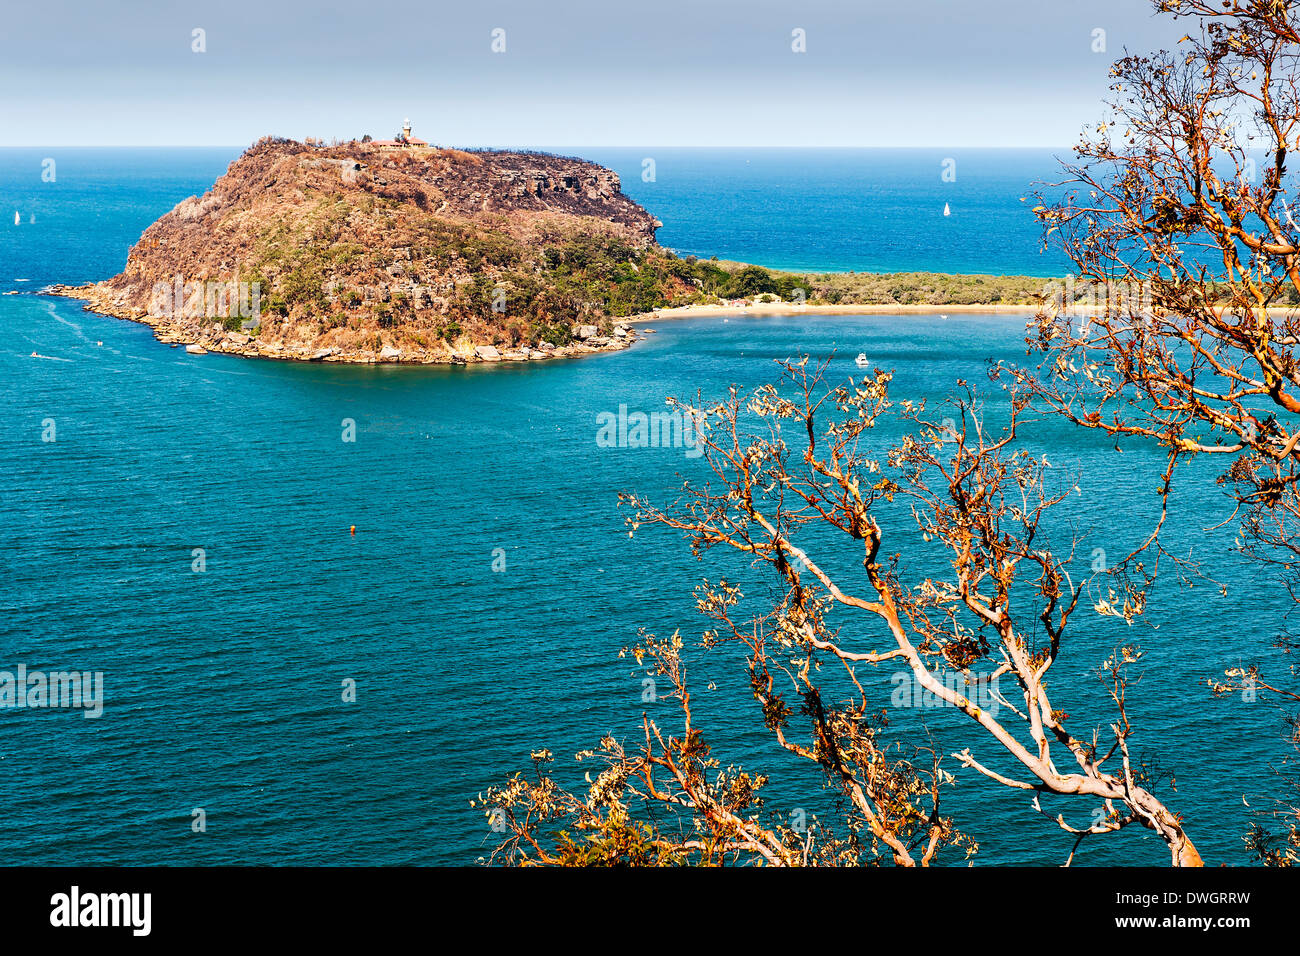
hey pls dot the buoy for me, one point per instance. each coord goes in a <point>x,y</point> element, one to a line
<point>354,529</point>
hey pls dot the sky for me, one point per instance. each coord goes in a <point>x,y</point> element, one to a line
<point>565,72</point>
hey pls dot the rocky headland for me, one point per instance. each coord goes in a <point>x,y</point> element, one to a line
<point>361,253</point>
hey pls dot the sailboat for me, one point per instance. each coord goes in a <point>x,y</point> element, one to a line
<point>18,217</point>
<point>946,210</point>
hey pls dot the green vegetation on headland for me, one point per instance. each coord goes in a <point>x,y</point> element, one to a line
<point>585,277</point>
<point>725,281</point>
<point>540,291</point>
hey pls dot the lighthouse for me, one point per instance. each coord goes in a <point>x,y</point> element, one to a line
<point>404,139</point>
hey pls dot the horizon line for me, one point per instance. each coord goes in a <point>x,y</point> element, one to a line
<point>552,146</point>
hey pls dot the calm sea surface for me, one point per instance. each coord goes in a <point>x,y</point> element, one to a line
<point>841,210</point>
<point>223,688</point>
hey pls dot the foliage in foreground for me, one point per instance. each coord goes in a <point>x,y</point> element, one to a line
<point>1179,206</point>
<point>1001,611</point>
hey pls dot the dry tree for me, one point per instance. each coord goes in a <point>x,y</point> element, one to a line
<point>794,490</point>
<point>1274,837</point>
<point>1181,328</point>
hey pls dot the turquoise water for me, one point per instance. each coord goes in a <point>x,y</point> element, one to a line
<point>223,688</point>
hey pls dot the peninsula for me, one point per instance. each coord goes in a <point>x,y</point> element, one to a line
<point>398,251</point>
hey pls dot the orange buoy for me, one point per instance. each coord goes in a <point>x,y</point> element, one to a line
<point>354,529</point>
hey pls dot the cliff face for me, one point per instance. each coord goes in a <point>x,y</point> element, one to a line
<point>360,253</point>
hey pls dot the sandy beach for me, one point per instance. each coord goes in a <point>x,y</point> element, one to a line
<point>786,308</point>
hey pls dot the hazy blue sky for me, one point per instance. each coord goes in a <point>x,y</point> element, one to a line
<point>574,72</point>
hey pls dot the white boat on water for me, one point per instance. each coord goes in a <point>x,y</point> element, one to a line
<point>862,360</point>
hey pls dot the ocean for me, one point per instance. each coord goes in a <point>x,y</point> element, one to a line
<point>846,210</point>
<point>187,535</point>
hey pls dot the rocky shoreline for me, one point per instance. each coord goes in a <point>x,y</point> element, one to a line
<point>200,336</point>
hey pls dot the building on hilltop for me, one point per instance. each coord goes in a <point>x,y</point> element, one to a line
<point>403,140</point>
